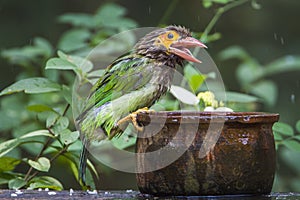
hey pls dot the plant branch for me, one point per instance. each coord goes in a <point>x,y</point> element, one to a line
<point>217,16</point>
<point>46,145</point>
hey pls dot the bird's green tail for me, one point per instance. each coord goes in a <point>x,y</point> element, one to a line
<point>82,165</point>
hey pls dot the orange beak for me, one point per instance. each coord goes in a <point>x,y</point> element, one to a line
<point>180,48</point>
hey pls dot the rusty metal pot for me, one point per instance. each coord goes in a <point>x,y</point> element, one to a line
<point>206,153</point>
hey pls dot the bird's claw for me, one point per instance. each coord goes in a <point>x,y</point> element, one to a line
<point>133,118</point>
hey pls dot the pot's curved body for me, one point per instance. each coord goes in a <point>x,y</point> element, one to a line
<point>217,153</point>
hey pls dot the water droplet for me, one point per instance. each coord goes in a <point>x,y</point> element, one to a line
<point>247,118</point>
<point>281,40</point>
<point>290,60</point>
<point>293,97</point>
<point>244,141</point>
<point>275,36</point>
<point>174,120</point>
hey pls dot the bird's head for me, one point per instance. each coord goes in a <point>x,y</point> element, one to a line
<point>169,43</point>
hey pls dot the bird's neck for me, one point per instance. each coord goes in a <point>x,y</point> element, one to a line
<point>163,58</point>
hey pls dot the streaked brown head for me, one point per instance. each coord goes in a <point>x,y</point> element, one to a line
<point>171,43</point>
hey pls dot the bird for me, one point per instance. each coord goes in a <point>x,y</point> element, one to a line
<point>132,83</point>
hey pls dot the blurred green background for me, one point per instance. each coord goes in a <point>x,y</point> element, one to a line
<point>266,34</point>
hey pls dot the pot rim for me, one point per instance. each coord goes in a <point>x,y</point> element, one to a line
<point>206,117</point>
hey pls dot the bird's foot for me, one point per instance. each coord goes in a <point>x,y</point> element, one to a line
<point>132,117</point>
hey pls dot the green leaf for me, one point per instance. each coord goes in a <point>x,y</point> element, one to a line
<point>297,137</point>
<point>267,90</point>
<point>59,63</point>
<point>8,163</point>
<point>281,65</point>
<point>45,182</point>
<point>240,97</point>
<point>110,10</point>
<point>194,77</point>
<point>67,62</point>
<point>248,72</point>
<point>283,129</point>
<point>277,136</point>
<point>68,137</point>
<point>206,3</point>
<point>112,16</point>
<point>42,164</point>
<point>78,19</point>
<point>234,52</point>
<point>66,92</point>
<point>81,63</point>
<point>16,183</point>
<point>24,56</point>
<point>9,145</point>
<point>74,39</point>
<point>32,86</point>
<point>39,108</point>
<point>61,124</point>
<point>51,119</point>
<point>298,126</point>
<point>44,45</point>
<point>5,177</point>
<point>292,144</point>
<point>12,112</point>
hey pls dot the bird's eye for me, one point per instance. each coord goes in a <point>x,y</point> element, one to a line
<point>170,36</point>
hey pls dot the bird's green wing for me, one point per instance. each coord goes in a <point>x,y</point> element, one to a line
<point>121,77</point>
<point>124,76</point>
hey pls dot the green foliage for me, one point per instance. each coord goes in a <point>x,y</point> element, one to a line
<point>252,75</point>
<point>286,136</point>
<point>41,122</point>
<point>110,19</point>
<point>31,86</point>
<point>24,56</point>
<point>37,120</point>
<point>42,164</point>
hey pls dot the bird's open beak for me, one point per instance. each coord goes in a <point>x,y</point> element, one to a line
<point>180,48</point>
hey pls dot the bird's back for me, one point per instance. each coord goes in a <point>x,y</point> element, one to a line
<point>129,83</point>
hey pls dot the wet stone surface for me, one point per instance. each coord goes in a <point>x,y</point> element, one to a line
<point>129,195</point>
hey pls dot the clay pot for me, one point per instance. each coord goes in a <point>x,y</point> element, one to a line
<point>206,153</point>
